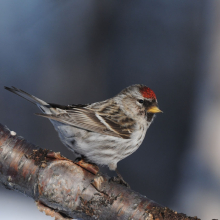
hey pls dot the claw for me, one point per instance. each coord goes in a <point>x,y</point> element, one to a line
<point>120,179</point>
<point>92,168</point>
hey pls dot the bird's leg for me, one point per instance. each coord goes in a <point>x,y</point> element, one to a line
<point>78,158</point>
<point>121,180</point>
<point>83,162</point>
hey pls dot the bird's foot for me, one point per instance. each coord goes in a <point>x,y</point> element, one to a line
<point>119,179</point>
<point>78,159</point>
<point>91,167</point>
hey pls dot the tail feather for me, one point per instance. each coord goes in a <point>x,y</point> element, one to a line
<point>44,107</point>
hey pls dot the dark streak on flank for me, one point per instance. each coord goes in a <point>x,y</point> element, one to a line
<point>73,142</point>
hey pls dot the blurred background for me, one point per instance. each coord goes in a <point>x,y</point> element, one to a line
<point>83,51</point>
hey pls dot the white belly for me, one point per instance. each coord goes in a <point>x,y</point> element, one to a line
<point>98,148</point>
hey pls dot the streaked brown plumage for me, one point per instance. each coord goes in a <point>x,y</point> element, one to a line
<point>103,132</point>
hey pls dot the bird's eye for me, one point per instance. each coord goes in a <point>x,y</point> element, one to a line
<point>141,101</point>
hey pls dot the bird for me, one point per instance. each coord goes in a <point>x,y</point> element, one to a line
<point>103,132</point>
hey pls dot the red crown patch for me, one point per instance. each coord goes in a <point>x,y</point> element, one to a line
<point>147,93</point>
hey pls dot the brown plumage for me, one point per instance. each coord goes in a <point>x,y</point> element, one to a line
<point>103,132</point>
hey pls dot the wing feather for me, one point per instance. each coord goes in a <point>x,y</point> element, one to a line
<point>91,120</point>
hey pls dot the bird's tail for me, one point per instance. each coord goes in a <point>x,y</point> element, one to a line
<point>44,107</point>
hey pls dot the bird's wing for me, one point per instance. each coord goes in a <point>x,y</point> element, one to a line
<point>90,120</point>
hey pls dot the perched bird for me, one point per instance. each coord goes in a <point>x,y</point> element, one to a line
<point>103,132</point>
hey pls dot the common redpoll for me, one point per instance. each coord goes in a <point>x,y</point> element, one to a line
<point>103,132</point>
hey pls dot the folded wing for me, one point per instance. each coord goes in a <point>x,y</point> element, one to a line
<point>91,120</point>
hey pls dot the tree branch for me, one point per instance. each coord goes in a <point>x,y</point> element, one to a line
<point>64,189</point>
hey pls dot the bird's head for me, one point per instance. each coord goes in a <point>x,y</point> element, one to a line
<point>139,101</point>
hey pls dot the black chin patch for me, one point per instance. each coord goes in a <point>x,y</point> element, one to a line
<point>150,116</point>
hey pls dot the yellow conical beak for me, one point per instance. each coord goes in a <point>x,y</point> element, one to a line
<point>154,109</point>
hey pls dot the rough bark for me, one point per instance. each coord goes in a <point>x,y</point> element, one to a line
<point>64,189</point>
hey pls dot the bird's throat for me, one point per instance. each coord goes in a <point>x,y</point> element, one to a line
<point>150,116</point>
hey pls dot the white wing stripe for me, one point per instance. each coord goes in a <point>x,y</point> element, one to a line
<point>103,121</point>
